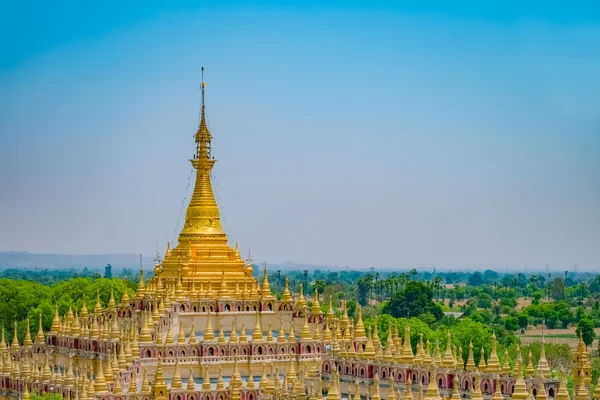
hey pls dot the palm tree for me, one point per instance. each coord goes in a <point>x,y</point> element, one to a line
<point>534,279</point>
<point>404,278</point>
<point>437,285</point>
<point>412,273</point>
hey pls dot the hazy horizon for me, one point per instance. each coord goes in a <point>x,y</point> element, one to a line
<point>131,260</point>
<point>346,133</point>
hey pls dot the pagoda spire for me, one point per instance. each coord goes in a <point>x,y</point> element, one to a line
<point>202,217</point>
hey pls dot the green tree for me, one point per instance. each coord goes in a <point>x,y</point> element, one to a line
<point>585,328</point>
<point>364,285</point>
<point>351,305</point>
<point>557,289</point>
<point>523,319</point>
<point>467,330</point>
<point>484,301</point>
<point>565,316</point>
<point>320,286</point>
<point>551,319</point>
<point>511,323</point>
<point>476,279</point>
<point>415,299</point>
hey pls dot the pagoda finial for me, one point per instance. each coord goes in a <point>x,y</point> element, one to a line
<point>359,330</point>
<point>286,297</point>
<point>40,338</point>
<point>316,306</point>
<point>265,290</point>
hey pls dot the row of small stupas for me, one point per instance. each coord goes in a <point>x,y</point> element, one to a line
<point>125,351</point>
<point>202,328</point>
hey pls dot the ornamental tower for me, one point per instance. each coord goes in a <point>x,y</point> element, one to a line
<point>202,253</point>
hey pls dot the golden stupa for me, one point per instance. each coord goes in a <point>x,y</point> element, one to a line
<point>203,254</point>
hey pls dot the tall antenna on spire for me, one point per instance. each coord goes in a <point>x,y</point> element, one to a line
<point>202,87</point>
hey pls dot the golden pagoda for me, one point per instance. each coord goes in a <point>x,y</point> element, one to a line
<point>202,253</point>
<point>204,283</point>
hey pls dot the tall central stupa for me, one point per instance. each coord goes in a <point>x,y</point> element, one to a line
<point>202,254</point>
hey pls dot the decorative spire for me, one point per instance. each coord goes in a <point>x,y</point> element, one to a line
<point>27,342</point>
<point>84,311</point>
<point>497,392</point>
<point>359,329</point>
<point>26,395</point>
<point>56,321</point>
<point>181,334</point>
<point>145,389</point>
<point>15,342</point>
<point>281,335</point>
<point>160,387</point>
<point>286,296</point>
<point>482,366</point>
<point>243,336</point>
<point>334,388</point>
<point>206,380</point>
<point>596,395</point>
<point>250,383</point>
<point>391,394</point>
<point>433,391</point>
<point>376,340</point>
<point>407,355</point>
<point>98,306</point>
<point>562,393</point>
<point>301,303</point>
<point>169,338</point>
<point>543,365</point>
<point>388,354</point>
<point>209,334</point>
<point>409,389</point>
<point>316,306</point>
<point>100,384</point>
<point>122,358</point>
<point>520,392</point>
<point>265,290</point>
<point>541,392</point>
<point>179,292</point>
<point>203,219</point>
<point>176,382</point>
<point>233,338</point>
<point>257,333</point>
<point>330,312</point>
<point>530,369</point>
<point>493,364</point>
<point>455,392</point>
<point>223,291</point>
<point>305,332</point>
<point>369,352</point>
<point>476,394</point>
<point>221,336</point>
<point>582,393</point>
<point>437,357</point>
<point>111,302</point>
<point>505,366</point>
<point>470,366</point>
<point>376,394</point>
<point>448,360</point>
<point>356,390</point>
<point>220,382</point>
<point>270,338</point>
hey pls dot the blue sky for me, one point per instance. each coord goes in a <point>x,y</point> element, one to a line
<point>392,134</point>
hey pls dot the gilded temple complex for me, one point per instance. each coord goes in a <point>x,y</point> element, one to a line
<point>203,328</point>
